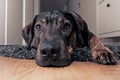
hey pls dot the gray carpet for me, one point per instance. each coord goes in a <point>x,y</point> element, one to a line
<point>23,52</point>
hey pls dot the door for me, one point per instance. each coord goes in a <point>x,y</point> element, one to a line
<point>14,14</point>
<point>20,13</point>
<point>14,21</point>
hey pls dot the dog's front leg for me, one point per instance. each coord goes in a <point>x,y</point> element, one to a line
<point>101,54</point>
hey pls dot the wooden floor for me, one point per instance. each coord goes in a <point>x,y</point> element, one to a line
<point>19,69</point>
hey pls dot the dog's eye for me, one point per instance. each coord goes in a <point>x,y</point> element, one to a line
<point>38,27</point>
<point>66,26</point>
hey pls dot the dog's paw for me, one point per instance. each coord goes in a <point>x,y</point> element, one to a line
<point>104,56</point>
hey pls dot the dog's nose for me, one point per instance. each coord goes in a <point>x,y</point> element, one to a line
<point>49,51</point>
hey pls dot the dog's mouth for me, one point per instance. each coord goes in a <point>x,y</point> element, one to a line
<point>56,60</point>
<point>53,63</point>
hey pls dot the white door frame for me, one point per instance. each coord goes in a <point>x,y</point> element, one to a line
<point>30,9</point>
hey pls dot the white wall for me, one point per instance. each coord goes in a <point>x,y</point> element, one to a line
<point>2,21</point>
<point>50,5</point>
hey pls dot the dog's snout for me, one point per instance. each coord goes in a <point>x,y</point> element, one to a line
<point>49,51</point>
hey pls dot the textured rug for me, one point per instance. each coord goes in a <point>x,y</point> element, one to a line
<point>23,52</point>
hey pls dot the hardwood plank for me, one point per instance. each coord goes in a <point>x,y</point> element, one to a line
<point>21,69</point>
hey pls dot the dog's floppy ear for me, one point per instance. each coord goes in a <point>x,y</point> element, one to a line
<point>82,32</point>
<point>28,32</point>
<point>80,27</point>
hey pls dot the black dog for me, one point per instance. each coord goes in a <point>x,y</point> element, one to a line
<point>56,33</point>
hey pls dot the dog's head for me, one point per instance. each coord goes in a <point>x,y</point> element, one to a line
<point>55,34</point>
